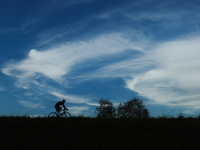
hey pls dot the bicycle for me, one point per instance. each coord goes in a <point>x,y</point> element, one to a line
<point>64,114</point>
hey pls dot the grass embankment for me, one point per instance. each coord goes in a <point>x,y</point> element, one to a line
<point>92,133</point>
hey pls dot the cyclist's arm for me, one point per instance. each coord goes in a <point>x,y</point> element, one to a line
<point>64,106</point>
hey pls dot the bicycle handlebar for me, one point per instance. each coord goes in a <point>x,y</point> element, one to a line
<point>65,109</point>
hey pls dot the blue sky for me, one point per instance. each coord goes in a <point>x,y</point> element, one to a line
<point>83,50</point>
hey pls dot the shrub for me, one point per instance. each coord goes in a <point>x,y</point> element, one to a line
<point>106,109</point>
<point>133,108</point>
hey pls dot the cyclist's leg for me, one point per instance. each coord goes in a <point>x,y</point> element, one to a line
<point>58,109</point>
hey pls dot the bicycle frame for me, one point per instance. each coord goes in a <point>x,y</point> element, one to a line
<point>63,113</point>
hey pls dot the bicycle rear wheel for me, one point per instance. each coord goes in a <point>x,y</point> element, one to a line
<point>65,115</point>
<point>52,114</point>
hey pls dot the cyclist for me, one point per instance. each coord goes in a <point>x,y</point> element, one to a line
<point>58,108</point>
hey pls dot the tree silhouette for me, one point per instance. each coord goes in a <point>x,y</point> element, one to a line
<point>133,108</point>
<point>106,109</point>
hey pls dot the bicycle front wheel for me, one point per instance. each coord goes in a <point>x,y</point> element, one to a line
<point>65,115</point>
<point>52,114</point>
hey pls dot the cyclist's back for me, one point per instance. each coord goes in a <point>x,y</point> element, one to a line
<point>59,103</point>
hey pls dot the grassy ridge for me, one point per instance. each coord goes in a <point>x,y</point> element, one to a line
<point>93,133</point>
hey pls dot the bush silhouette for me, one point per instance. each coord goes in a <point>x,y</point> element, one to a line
<point>106,109</point>
<point>133,108</point>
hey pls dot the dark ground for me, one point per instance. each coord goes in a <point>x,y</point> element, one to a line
<point>79,133</point>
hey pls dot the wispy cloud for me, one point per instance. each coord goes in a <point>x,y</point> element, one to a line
<point>121,69</point>
<point>174,80</point>
<point>2,88</point>
<point>28,93</point>
<point>72,98</point>
<point>78,110</point>
<point>25,27</point>
<point>166,74</point>
<point>48,37</point>
<point>56,62</point>
<point>29,104</point>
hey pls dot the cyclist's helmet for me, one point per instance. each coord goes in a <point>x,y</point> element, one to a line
<point>64,100</point>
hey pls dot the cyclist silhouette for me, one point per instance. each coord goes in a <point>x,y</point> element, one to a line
<point>58,104</point>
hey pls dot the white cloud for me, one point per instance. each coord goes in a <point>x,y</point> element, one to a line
<point>28,93</point>
<point>167,74</point>
<point>72,98</point>
<point>31,105</point>
<point>56,62</point>
<point>155,16</point>
<point>123,69</point>
<point>78,110</point>
<point>175,79</point>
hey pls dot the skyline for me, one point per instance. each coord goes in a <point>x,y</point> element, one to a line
<point>84,50</point>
